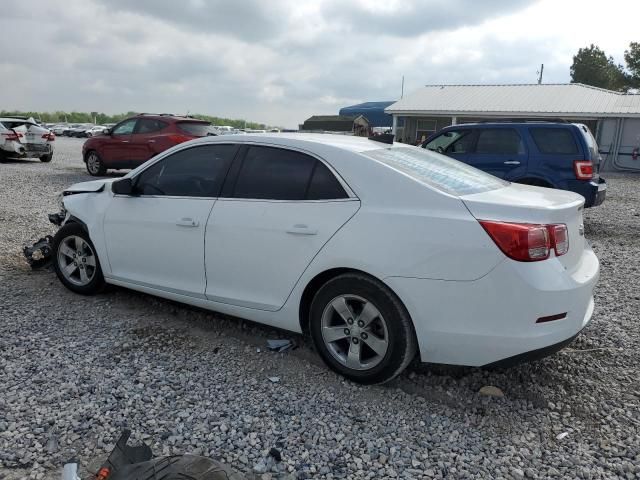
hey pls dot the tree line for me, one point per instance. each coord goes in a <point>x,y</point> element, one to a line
<point>592,66</point>
<point>102,118</point>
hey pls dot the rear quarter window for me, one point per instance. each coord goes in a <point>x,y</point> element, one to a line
<point>197,129</point>
<point>438,171</point>
<point>558,141</point>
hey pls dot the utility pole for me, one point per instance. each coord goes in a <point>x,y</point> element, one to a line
<point>540,72</point>
<point>402,89</point>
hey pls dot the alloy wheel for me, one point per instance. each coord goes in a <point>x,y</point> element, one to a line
<point>354,332</point>
<point>76,260</point>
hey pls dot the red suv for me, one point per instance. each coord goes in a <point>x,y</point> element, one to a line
<point>135,140</point>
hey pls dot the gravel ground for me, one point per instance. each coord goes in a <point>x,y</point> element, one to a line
<point>75,370</point>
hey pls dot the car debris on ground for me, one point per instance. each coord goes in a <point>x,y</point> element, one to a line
<point>280,345</point>
<point>127,462</point>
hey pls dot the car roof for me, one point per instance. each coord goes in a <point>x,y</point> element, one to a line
<point>510,123</point>
<point>160,116</point>
<point>344,142</point>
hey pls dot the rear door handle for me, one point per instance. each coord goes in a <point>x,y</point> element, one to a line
<point>187,222</point>
<point>301,229</point>
<point>512,162</point>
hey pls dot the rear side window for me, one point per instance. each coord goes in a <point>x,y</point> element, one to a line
<point>149,125</point>
<point>440,172</point>
<point>193,172</point>
<point>559,141</point>
<point>324,184</point>
<point>278,174</point>
<point>195,129</point>
<point>499,141</point>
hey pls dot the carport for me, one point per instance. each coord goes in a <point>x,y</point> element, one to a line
<point>613,117</point>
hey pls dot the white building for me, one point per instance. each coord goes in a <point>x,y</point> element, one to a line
<point>613,117</point>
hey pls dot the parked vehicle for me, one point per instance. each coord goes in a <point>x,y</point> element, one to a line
<point>135,140</point>
<point>20,138</point>
<point>81,131</point>
<point>96,130</point>
<point>546,154</point>
<point>58,129</point>
<point>379,251</point>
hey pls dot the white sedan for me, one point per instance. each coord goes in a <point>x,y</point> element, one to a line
<point>379,251</point>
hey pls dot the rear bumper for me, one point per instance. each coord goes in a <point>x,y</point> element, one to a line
<point>532,355</point>
<point>594,192</point>
<point>485,321</point>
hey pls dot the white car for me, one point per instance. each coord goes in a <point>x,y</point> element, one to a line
<point>24,138</point>
<point>96,130</point>
<point>380,251</point>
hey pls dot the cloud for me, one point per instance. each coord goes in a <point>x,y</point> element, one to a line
<point>279,62</point>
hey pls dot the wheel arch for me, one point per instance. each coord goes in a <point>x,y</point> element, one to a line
<point>323,277</point>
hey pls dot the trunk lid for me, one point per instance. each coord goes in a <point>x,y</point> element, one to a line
<point>526,204</point>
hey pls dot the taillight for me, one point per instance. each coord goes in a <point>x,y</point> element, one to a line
<point>523,242</point>
<point>177,138</point>
<point>559,238</point>
<point>12,136</point>
<point>49,137</point>
<point>583,169</point>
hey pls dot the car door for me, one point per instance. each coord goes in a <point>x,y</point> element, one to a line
<point>455,143</point>
<point>143,140</point>
<point>500,151</point>
<point>156,237</point>
<point>117,148</point>
<point>279,208</point>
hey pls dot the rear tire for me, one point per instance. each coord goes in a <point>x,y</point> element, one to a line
<point>46,158</point>
<point>75,260</point>
<point>95,167</point>
<point>361,329</point>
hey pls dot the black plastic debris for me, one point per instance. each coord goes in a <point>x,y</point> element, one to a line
<point>275,453</point>
<point>280,345</point>
<point>39,254</point>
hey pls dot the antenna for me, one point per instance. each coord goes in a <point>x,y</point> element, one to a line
<point>540,73</point>
<point>402,89</point>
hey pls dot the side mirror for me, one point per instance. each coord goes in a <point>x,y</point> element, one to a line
<point>122,187</point>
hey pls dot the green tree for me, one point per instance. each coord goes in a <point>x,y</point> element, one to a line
<point>591,66</point>
<point>632,59</point>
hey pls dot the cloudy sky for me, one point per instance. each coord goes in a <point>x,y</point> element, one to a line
<point>280,61</point>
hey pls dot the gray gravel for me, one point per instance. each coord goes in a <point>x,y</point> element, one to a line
<point>75,370</point>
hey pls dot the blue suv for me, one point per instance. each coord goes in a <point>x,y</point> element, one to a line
<point>545,154</point>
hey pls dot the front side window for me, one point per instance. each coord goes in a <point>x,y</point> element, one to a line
<point>557,141</point>
<point>125,128</point>
<point>499,141</point>
<point>193,172</point>
<point>437,171</point>
<point>279,174</point>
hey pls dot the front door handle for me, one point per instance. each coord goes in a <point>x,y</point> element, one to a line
<point>187,222</point>
<point>512,162</point>
<point>301,229</point>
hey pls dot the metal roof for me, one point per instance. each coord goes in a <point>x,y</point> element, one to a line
<point>563,99</point>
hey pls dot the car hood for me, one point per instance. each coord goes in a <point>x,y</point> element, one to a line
<point>88,187</point>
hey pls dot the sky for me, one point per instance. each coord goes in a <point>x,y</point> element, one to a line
<point>281,61</point>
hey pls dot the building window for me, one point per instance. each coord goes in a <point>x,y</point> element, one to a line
<point>424,129</point>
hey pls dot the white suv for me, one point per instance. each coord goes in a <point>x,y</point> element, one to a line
<point>24,138</point>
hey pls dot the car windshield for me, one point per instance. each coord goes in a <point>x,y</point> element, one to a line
<point>443,141</point>
<point>197,129</point>
<point>438,171</point>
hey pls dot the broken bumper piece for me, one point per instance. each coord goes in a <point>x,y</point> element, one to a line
<point>39,254</point>
<point>57,218</point>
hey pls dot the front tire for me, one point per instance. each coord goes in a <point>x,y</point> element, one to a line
<point>95,166</point>
<point>361,329</point>
<point>75,260</point>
